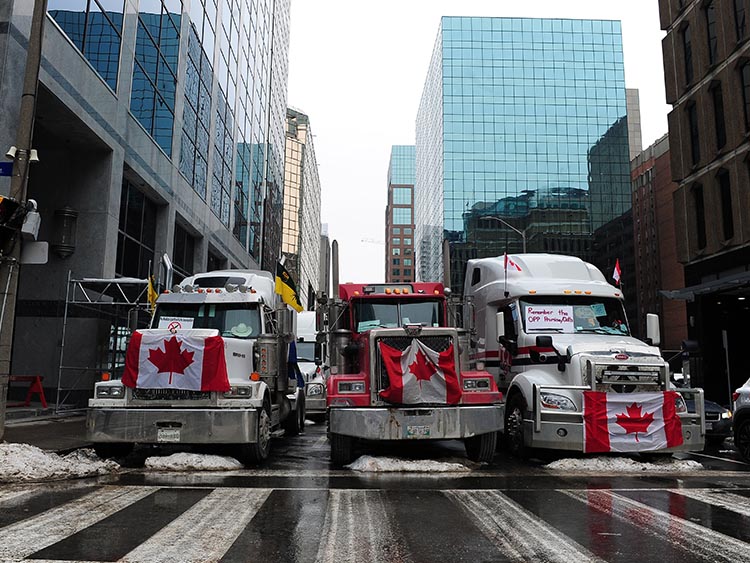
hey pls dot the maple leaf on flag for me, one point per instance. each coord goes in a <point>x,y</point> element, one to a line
<point>635,421</point>
<point>422,368</point>
<point>172,360</point>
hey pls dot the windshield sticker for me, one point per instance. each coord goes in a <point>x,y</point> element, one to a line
<point>176,323</point>
<point>559,318</point>
<point>367,325</point>
<point>599,310</point>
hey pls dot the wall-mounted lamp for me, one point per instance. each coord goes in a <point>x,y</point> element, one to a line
<point>65,232</point>
<point>11,154</point>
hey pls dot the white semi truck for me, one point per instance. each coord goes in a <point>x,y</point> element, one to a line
<point>550,327</point>
<point>174,391</point>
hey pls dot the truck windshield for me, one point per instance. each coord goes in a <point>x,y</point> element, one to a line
<point>388,313</point>
<point>231,319</point>
<point>574,314</point>
<point>306,351</point>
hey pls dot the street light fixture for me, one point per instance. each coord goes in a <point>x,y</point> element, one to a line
<point>504,222</point>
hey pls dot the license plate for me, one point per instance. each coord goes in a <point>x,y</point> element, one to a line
<point>417,431</point>
<point>168,435</point>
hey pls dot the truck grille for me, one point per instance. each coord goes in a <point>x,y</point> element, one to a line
<point>170,395</point>
<point>439,343</point>
<point>632,377</point>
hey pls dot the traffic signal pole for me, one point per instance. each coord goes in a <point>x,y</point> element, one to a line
<point>9,263</point>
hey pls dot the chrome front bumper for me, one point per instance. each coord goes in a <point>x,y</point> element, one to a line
<point>420,423</point>
<point>186,426</point>
<point>316,405</point>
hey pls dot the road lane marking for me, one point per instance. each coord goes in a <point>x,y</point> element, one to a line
<point>358,527</point>
<point>518,534</point>
<point>718,497</point>
<point>23,538</point>
<point>211,526</point>
<point>692,538</point>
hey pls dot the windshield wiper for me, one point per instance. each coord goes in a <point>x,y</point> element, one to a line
<point>598,330</point>
<point>545,330</point>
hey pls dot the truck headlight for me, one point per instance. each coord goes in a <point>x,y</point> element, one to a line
<point>726,414</point>
<point>239,392</point>
<point>559,402</point>
<point>351,387</point>
<point>110,391</point>
<point>477,384</point>
<point>313,390</point>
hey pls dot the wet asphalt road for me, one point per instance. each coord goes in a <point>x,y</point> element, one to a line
<point>297,508</point>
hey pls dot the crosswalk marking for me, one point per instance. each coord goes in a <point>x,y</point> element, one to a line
<point>516,532</point>
<point>211,526</point>
<point>691,537</point>
<point>358,528</point>
<point>27,536</point>
<point>724,499</point>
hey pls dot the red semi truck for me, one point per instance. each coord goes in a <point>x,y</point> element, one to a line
<point>398,371</point>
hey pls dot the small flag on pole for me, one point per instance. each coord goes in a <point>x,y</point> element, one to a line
<point>286,287</point>
<point>616,273</point>
<point>511,263</point>
<point>152,295</point>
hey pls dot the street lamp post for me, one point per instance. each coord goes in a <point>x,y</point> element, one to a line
<point>504,222</point>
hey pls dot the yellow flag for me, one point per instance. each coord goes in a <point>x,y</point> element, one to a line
<point>286,287</point>
<point>152,295</point>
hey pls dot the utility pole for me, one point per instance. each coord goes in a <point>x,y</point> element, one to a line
<point>9,263</point>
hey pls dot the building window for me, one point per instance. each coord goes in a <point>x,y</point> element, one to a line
<point>396,251</point>
<point>396,230</point>
<point>725,195</point>
<point>407,261</point>
<point>407,230</point>
<point>700,216</point>
<point>401,216</point>
<point>396,241</point>
<point>396,272</point>
<point>407,241</point>
<point>718,102</point>
<point>695,150</point>
<point>713,40</point>
<point>136,233</point>
<point>407,271</point>
<point>688,53</point>
<point>157,46</point>
<point>745,73</point>
<point>215,262</point>
<point>740,25</point>
<point>184,252</point>
<point>396,261</point>
<point>95,27</point>
<point>402,196</point>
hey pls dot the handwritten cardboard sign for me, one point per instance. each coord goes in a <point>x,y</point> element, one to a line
<point>557,317</point>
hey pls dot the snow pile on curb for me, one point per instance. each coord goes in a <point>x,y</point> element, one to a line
<point>604,464</point>
<point>370,464</point>
<point>26,463</point>
<point>193,462</point>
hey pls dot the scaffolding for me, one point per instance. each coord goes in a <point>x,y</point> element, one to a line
<point>113,308</point>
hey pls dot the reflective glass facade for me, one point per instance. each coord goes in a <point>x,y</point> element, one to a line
<point>522,121</point>
<point>95,27</point>
<point>399,229</point>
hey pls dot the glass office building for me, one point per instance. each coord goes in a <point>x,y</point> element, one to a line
<point>521,140</point>
<point>160,128</point>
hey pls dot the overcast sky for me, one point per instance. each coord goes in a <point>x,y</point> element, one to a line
<point>357,69</point>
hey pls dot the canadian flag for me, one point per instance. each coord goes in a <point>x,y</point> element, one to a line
<point>509,262</point>
<point>189,359</point>
<point>420,375</point>
<point>616,272</point>
<point>630,422</point>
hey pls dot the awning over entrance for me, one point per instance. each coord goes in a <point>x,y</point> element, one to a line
<point>724,284</point>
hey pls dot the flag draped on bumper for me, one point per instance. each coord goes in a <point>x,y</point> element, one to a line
<point>630,422</point>
<point>420,375</point>
<point>191,360</point>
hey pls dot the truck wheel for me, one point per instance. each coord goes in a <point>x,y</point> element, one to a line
<point>295,421</point>
<point>113,449</point>
<point>342,449</point>
<point>742,438</point>
<point>514,426</point>
<point>258,452</point>
<point>481,448</point>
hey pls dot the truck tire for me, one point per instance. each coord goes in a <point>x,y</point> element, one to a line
<point>295,422</point>
<point>514,414</point>
<point>342,449</point>
<point>107,450</point>
<point>258,452</point>
<point>481,448</point>
<point>742,438</point>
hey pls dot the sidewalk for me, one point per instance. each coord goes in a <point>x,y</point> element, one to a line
<point>44,429</point>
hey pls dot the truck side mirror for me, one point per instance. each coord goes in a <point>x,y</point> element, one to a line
<point>318,353</point>
<point>500,325</point>
<point>653,335</point>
